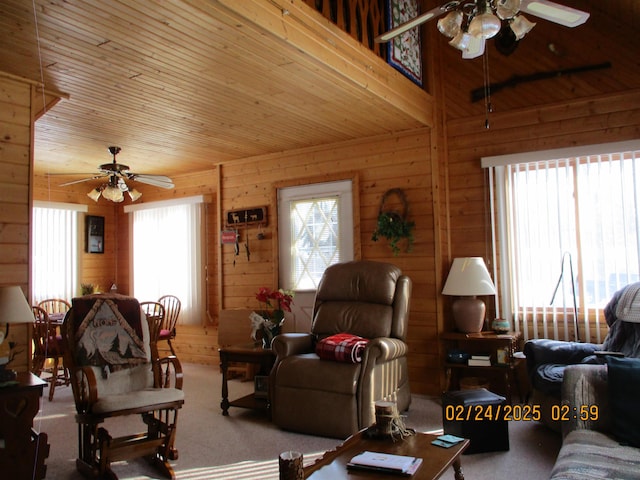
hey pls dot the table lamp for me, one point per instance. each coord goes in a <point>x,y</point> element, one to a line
<point>467,278</point>
<point>13,309</point>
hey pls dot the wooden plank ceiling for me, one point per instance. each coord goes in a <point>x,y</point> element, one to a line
<point>182,85</point>
<point>609,35</point>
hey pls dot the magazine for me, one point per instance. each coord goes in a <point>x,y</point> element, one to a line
<point>385,462</point>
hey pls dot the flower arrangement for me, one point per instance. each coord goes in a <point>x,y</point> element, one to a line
<point>393,227</point>
<point>270,318</point>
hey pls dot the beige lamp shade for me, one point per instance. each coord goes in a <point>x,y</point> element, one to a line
<point>468,278</point>
<point>14,307</point>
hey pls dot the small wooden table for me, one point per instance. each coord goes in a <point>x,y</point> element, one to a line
<point>435,460</point>
<point>23,451</point>
<point>247,353</point>
<point>486,342</point>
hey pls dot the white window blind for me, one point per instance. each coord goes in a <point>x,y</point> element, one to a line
<point>54,254</point>
<point>315,234</point>
<point>568,230</point>
<point>167,258</point>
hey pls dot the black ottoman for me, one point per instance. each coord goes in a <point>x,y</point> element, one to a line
<point>478,415</point>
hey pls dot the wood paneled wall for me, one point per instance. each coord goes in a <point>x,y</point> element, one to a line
<point>447,199</point>
<point>195,343</point>
<point>16,135</point>
<point>399,160</point>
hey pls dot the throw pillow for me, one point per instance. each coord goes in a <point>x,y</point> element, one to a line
<point>624,394</point>
<point>342,347</point>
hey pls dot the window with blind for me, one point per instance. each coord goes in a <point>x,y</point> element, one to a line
<point>318,223</point>
<point>167,253</point>
<point>54,250</point>
<point>568,232</point>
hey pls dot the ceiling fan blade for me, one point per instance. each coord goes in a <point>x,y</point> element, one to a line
<point>155,180</point>
<point>419,20</point>
<point>554,12</point>
<point>83,180</point>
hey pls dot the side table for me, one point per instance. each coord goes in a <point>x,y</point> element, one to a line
<point>486,343</point>
<point>22,450</point>
<point>248,353</point>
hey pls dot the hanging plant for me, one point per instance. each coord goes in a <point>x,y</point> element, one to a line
<point>394,225</point>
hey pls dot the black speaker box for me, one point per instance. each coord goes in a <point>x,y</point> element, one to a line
<point>478,415</point>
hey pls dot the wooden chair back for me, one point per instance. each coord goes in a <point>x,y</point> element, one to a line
<point>55,305</point>
<point>172,306</point>
<point>155,316</point>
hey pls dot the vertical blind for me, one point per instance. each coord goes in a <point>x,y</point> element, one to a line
<point>54,258</point>
<point>568,231</point>
<point>167,258</point>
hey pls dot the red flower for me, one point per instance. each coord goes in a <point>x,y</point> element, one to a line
<point>282,298</point>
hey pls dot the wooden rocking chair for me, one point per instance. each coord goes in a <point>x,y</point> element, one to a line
<point>115,371</point>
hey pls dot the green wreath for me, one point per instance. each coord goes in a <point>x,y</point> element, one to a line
<point>393,225</point>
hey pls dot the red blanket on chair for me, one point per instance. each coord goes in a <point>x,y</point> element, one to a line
<point>342,347</point>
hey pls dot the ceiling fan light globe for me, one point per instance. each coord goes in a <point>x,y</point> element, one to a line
<point>474,49</point>
<point>134,194</point>
<point>506,9</point>
<point>450,25</point>
<point>461,40</point>
<point>485,25</point>
<point>94,194</point>
<point>521,26</point>
<point>113,193</point>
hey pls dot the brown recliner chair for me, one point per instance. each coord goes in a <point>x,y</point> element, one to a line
<point>332,398</point>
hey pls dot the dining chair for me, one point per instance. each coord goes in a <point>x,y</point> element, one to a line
<point>155,314</point>
<point>172,306</point>
<point>55,307</point>
<point>48,346</point>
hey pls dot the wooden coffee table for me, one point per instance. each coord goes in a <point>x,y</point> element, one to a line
<point>435,460</point>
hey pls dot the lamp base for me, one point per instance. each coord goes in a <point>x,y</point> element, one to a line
<point>468,314</point>
<point>7,374</point>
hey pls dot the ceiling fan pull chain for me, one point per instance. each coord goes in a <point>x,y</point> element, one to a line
<point>488,108</point>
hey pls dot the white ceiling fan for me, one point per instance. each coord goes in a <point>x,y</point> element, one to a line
<point>470,23</point>
<point>117,173</point>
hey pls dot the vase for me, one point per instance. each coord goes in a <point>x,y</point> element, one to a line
<point>268,333</point>
<point>500,325</point>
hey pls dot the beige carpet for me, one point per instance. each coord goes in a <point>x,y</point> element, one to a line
<point>245,445</point>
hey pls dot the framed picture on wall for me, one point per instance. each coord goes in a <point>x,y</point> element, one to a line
<point>94,227</point>
<point>405,51</point>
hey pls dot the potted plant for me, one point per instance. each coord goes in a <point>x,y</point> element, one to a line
<point>393,225</point>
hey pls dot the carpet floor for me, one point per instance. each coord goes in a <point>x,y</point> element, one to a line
<point>246,445</point>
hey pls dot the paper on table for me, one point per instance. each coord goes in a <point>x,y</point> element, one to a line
<point>400,463</point>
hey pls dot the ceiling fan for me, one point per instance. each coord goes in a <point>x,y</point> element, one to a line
<point>117,173</point>
<point>469,23</point>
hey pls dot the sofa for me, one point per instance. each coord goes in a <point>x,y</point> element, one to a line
<point>547,359</point>
<point>600,422</point>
